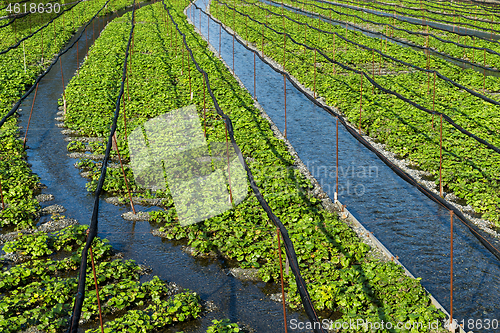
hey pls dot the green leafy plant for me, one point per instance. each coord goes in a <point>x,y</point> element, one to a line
<point>223,326</point>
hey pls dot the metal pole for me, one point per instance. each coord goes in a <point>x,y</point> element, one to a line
<point>64,92</point>
<point>77,60</point>
<point>42,43</point>
<point>86,42</point>
<point>305,38</point>
<point>234,32</point>
<point>386,37</point>
<point>263,37</point>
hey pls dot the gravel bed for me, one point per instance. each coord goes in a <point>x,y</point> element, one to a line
<point>246,274</point>
<point>84,139</point>
<point>44,197</point>
<point>118,201</point>
<point>52,209</point>
<point>139,216</point>
<point>49,226</point>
